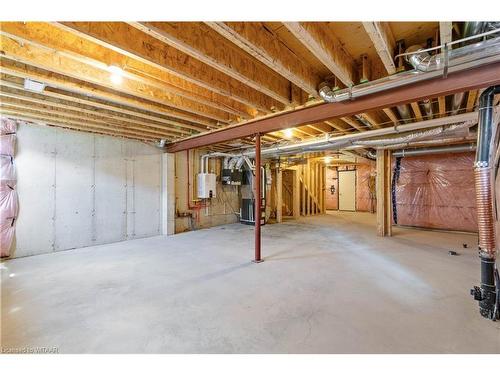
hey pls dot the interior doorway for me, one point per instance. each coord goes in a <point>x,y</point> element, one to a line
<point>347,190</point>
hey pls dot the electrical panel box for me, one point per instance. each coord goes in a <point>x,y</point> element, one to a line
<point>206,185</point>
<point>231,177</point>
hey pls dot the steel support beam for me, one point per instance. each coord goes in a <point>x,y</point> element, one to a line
<point>466,80</point>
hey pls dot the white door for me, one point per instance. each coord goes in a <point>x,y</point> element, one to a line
<point>347,190</point>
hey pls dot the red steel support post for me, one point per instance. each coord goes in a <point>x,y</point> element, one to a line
<point>258,200</point>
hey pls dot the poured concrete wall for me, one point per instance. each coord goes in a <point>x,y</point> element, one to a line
<point>78,189</point>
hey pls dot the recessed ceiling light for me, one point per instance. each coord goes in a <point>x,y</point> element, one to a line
<point>328,159</point>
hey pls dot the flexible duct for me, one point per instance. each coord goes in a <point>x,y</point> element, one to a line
<point>487,293</point>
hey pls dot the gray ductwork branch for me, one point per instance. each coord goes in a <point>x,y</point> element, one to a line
<point>414,136</point>
<point>435,150</point>
<point>426,67</point>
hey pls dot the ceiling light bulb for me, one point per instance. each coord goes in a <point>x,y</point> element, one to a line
<point>288,133</point>
<point>116,74</point>
<point>328,159</point>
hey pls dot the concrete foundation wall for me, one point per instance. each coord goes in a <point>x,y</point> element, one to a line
<point>78,189</point>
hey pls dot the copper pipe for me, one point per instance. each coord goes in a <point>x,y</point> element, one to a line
<point>484,202</point>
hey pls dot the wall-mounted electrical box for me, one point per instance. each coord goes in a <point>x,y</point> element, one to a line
<point>231,177</point>
<point>206,185</point>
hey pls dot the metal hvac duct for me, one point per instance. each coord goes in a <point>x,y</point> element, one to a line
<point>428,108</point>
<point>404,112</point>
<point>488,294</point>
<point>471,29</point>
<point>411,137</point>
<point>435,150</point>
<point>427,67</point>
<point>329,143</point>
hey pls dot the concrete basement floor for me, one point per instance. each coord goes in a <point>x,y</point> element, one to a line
<point>328,285</point>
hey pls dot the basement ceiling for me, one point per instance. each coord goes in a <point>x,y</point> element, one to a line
<point>170,80</point>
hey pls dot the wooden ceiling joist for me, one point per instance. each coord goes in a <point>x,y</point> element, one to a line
<point>259,42</point>
<point>41,118</point>
<point>445,32</point>
<point>99,107</point>
<point>201,42</point>
<point>353,123</point>
<point>62,82</point>
<point>416,111</point>
<point>326,48</point>
<point>383,40</point>
<point>335,124</point>
<point>66,125</point>
<point>98,115</point>
<point>47,59</point>
<point>318,128</point>
<point>84,119</point>
<point>64,41</point>
<point>471,100</point>
<point>392,116</point>
<point>442,106</point>
<point>128,40</point>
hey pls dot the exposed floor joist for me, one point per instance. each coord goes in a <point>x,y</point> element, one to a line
<point>61,40</point>
<point>253,38</point>
<point>326,48</point>
<point>94,91</point>
<point>100,107</point>
<point>30,102</point>
<point>383,40</point>
<point>37,56</point>
<point>132,42</point>
<point>201,42</point>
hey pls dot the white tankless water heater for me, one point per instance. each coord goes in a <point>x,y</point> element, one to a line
<point>206,185</point>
